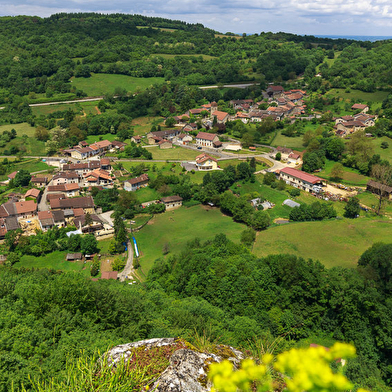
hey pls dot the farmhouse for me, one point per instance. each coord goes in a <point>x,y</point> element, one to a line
<point>275,91</point>
<point>33,193</point>
<point>99,177</point>
<point>39,181</point>
<point>82,153</point>
<point>19,209</point>
<point>136,139</point>
<point>221,117</point>
<point>165,144</point>
<point>172,202</point>
<point>66,178</point>
<point>45,219</point>
<point>359,106</point>
<point>378,188</point>
<point>87,203</point>
<point>184,138</point>
<point>205,162</point>
<point>205,139</point>
<point>301,180</point>
<point>69,190</point>
<point>135,183</point>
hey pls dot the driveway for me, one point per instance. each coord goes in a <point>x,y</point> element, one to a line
<point>106,216</point>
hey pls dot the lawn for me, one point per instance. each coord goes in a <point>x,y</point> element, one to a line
<point>32,165</point>
<point>377,96</point>
<point>179,226</point>
<point>95,138</point>
<point>101,84</point>
<point>334,243</point>
<point>55,260</point>
<point>350,176</point>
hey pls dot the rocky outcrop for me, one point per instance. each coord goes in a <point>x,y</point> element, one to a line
<point>188,366</point>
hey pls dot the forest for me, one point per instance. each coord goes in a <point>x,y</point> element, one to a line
<point>215,288</point>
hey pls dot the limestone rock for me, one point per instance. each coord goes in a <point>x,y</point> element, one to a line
<point>188,367</point>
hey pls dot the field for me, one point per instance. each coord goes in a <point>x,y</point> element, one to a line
<point>377,96</point>
<point>384,153</point>
<point>179,226</point>
<point>56,261</point>
<point>142,125</point>
<point>86,107</point>
<point>334,243</point>
<point>175,153</point>
<point>101,84</point>
<point>21,129</point>
<point>172,56</point>
<point>350,176</point>
<point>32,165</point>
<point>294,143</point>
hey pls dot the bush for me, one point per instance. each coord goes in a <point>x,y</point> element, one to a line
<point>294,192</point>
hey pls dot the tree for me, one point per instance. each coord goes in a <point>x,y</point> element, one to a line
<point>352,208</point>
<point>311,162</point>
<point>41,133</point>
<point>12,258</point>
<point>248,236</point>
<point>118,264</point>
<point>260,220</point>
<point>22,178</point>
<point>384,145</point>
<point>337,171</point>
<point>278,156</point>
<point>95,266</point>
<point>334,148</point>
<point>89,244</point>
<point>170,122</point>
<point>383,175</point>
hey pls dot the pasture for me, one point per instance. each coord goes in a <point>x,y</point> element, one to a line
<point>179,226</point>
<point>101,84</point>
<point>335,243</point>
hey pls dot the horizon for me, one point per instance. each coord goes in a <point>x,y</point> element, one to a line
<point>329,17</point>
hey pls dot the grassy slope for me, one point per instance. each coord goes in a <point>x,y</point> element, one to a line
<point>179,226</point>
<point>100,84</point>
<point>384,153</point>
<point>334,243</point>
<point>142,125</point>
<point>350,176</point>
<point>88,108</point>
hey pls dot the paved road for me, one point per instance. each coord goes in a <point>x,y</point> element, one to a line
<point>42,206</point>
<point>239,85</point>
<point>128,270</point>
<point>106,216</point>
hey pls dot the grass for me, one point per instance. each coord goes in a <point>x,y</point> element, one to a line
<point>294,143</point>
<point>333,243</point>
<point>179,226</point>
<point>95,138</point>
<point>175,153</point>
<point>147,194</point>
<point>384,153</point>
<point>101,84</point>
<point>172,56</point>
<point>32,165</point>
<point>55,260</point>
<point>86,107</point>
<point>350,176</point>
<point>142,125</point>
<point>21,129</point>
<point>377,96</point>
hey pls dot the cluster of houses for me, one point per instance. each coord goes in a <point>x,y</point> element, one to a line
<point>346,125</point>
<point>84,151</point>
<point>58,201</point>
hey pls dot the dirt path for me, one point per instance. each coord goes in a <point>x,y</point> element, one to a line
<point>128,272</point>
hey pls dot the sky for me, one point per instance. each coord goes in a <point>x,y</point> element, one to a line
<point>315,17</point>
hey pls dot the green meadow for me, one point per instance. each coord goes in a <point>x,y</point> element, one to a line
<point>101,84</point>
<point>179,226</point>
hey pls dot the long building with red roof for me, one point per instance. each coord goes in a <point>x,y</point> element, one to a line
<point>302,180</point>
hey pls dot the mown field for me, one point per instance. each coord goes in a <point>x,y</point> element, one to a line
<point>384,153</point>
<point>350,176</point>
<point>101,84</point>
<point>377,96</point>
<point>172,56</point>
<point>334,243</point>
<point>175,153</point>
<point>179,226</point>
<point>294,143</point>
<point>32,165</point>
<point>21,129</point>
<point>84,107</point>
<point>142,125</point>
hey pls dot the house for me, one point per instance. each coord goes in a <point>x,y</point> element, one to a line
<point>214,107</point>
<point>66,178</point>
<point>136,139</point>
<point>359,106</point>
<point>73,256</point>
<point>275,91</point>
<point>135,183</point>
<point>221,117</point>
<point>45,219</point>
<point>105,164</point>
<point>301,180</point>
<point>351,126</point>
<point>99,177</point>
<point>184,138</point>
<point>172,202</point>
<point>378,188</point>
<point>204,139</point>
<point>152,139</point>
<point>86,167</point>
<point>118,145</point>
<point>284,152</point>
<point>101,146</point>
<point>39,181</point>
<point>86,202</point>
<point>70,190</point>
<point>167,134</point>
<point>12,175</point>
<point>58,218</point>
<point>109,275</point>
<point>205,162</point>
<point>244,117</point>
<point>95,225</point>
<point>51,196</point>
<point>294,158</point>
<point>165,144</point>
<point>33,193</point>
<point>19,209</point>
<point>82,153</point>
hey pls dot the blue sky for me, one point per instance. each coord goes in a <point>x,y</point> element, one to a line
<point>330,17</point>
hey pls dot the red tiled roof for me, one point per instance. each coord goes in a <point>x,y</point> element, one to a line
<point>220,115</point>
<point>301,175</point>
<point>206,136</point>
<point>360,106</point>
<point>204,157</point>
<point>23,207</point>
<point>137,180</point>
<point>32,193</point>
<point>12,175</point>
